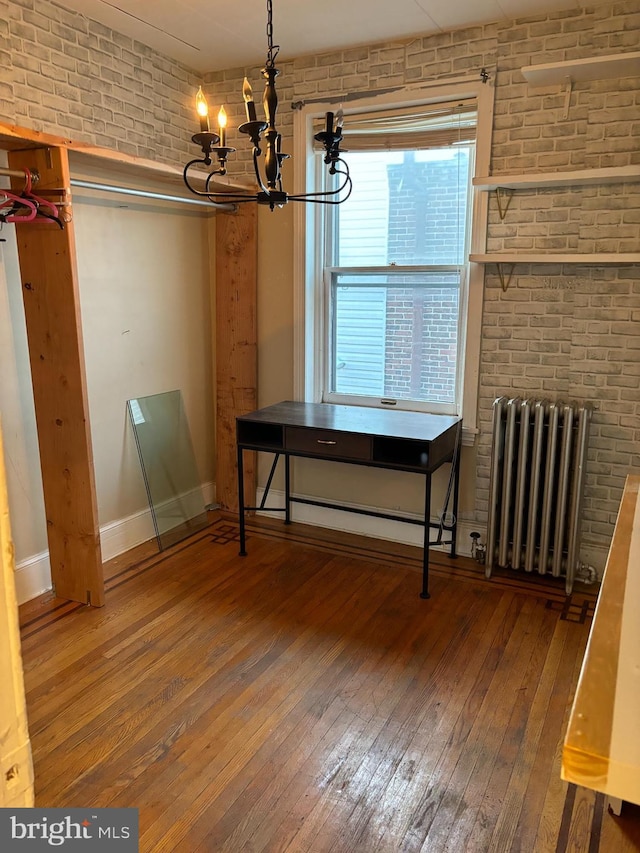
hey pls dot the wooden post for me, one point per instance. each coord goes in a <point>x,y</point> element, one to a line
<point>16,766</point>
<point>52,309</point>
<point>236,347</point>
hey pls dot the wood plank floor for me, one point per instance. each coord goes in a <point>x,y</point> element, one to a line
<point>305,699</point>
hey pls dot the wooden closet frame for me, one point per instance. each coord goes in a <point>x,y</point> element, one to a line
<point>48,272</point>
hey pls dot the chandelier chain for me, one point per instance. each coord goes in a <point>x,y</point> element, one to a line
<point>271,56</point>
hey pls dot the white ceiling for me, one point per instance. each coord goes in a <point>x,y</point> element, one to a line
<point>209,35</point>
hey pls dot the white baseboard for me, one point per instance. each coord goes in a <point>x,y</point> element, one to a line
<point>377,528</point>
<point>116,537</point>
<point>396,531</point>
<point>33,575</point>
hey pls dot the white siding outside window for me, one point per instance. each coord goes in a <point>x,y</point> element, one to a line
<point>360,341</point>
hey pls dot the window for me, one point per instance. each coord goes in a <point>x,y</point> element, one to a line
<point>394,335</point>
<point>388,291</point>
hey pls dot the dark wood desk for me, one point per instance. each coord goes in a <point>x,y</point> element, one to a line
<point>401,441</point>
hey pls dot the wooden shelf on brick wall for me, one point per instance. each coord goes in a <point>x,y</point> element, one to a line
<point>505,185</point>
<point>555,258</point>
<point>576,178</point>
<point>506,261</point>
<point>580,70</point>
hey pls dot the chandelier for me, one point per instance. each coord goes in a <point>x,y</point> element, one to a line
<point>269,177</point>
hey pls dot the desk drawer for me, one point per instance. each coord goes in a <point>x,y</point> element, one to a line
<point>327,443</point>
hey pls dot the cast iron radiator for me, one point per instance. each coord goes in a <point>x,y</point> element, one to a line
<point>538,460</point>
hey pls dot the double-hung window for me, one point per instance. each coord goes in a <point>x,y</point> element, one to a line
<point>388,294</point>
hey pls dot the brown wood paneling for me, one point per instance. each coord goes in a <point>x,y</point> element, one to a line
<point>50,291</point>
<point>236,347</point>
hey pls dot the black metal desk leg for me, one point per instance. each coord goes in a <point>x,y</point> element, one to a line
<point>427,537</point>
<point>243,552</point>
<point>287,490</point>
<point>456,495</point>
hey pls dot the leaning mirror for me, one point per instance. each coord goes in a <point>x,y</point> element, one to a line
<point>168,466</point>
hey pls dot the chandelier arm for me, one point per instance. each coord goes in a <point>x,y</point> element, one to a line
<point>230,195</point>
<point>309,199</point>
<point>319,194</point>
<point>186,179</point>
<point>256,153</point>
<point>215,197</point>
<point>240,199</point>
<point>323,197</point>
<point>345,171</point>
<point>206,183</point>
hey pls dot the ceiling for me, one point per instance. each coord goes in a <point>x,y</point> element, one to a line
<point>210,35</point>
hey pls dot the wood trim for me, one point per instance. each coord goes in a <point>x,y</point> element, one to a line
<point>236,347</point>
<point>16,766</point>
<point>600,749</point>
<point>14,138</point>
<point>47,256</point>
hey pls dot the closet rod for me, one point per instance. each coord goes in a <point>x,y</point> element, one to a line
<point>16,173</point>
<point>90,185</point>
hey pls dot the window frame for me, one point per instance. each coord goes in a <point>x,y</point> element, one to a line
<point>310,320</point>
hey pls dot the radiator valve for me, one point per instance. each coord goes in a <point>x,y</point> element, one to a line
<point>586,574</point>
<point>478,550</point>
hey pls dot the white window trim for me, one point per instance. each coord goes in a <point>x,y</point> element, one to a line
<point>309,319</point>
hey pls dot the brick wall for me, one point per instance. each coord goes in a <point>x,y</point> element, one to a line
<point>421,343</point>
<point>68,75</point>
<point>557,331</point>
<point>565,331</point>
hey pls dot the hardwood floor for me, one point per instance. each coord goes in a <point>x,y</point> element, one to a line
<point>305,699</point>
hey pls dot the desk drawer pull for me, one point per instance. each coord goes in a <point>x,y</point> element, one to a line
<point>328,443</point>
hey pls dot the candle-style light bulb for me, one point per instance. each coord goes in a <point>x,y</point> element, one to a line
<point>247,94</point>
<point>329,123</point>
<point>339,121</point>
<point>202,108</point>
<point>222,125</point>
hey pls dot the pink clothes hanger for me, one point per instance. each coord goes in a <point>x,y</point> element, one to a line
<point>10,202</point>
<point>50,210</point>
